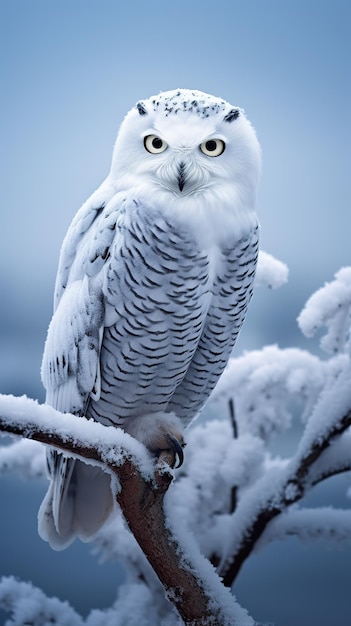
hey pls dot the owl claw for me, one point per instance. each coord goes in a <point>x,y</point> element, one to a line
<point>177,448</point>
<point>171,452</point>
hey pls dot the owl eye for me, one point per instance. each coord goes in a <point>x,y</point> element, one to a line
<point>212,147</point>
<point>155,144</point>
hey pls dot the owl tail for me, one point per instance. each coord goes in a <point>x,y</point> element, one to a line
<point>77,503</point>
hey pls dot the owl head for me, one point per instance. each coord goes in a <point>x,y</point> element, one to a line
<point>186,144</point>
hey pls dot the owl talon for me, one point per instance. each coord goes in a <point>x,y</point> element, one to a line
<point>177,448</point>
<point>171,451</point>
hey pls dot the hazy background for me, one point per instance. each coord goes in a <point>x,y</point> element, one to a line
<point>70,70</point>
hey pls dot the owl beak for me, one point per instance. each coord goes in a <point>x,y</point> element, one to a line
<point>181,176</point>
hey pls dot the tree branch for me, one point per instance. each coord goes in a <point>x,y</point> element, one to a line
<point>234,423</point>
<point>275,497</point>
<point>334,460</point>
<point>200,599</point>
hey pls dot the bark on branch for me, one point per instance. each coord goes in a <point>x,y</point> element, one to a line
<point>141,499</point>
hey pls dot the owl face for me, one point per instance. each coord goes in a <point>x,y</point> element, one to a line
<point>186,144</point>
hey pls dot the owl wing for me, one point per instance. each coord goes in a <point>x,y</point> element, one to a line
<point>70,372</point>
<point>81,223</point>
<point>70,360</point>
<point>70,366</point>
<point>110,305</point>
<point>71,355</point>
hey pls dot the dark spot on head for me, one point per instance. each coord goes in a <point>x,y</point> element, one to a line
<point>232,115</point>
<point>141,108</point>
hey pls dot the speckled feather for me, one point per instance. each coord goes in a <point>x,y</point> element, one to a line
<point>155,276</point>
<point>175,324</point>
<point>181,100</point>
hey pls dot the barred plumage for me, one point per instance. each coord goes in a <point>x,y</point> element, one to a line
<point>155,276</point>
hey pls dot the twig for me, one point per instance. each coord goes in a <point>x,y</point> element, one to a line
<point>234,489</point>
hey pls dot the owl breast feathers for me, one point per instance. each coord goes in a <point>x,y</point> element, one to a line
<point>155,276</point>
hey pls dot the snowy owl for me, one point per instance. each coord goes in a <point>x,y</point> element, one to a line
<point>154,280</point>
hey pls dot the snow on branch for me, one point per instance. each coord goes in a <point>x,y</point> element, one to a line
<point>325,523</point>
<point>29,605</point>
<point>189,580</point>
<point>275,492</point>
<point>25,457</point>
<point>270,272</point>
<point>77,436</point>
<point>334,460</point>
<point>330,307</point>
<point>331,417</point>
<point>265,383</point>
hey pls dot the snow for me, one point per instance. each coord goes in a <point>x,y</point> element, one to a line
<point>25,457</point>
<point>135,605</point>
<point>29,605</point>
<point>113,444</point>
<point>331,409</point>
<point>320,524</point>
<point>330,307</point>
<point>335,459</point>
<point>270,272</point>
<point>265,383</point>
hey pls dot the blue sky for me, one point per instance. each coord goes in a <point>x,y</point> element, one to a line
<point>70,71</point>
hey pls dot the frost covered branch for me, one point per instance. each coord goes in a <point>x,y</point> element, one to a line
<point>310,525</point>
<point>272,495</point>
<point>189,581</point>
<point>334,460</point>
<point>267,385</point>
